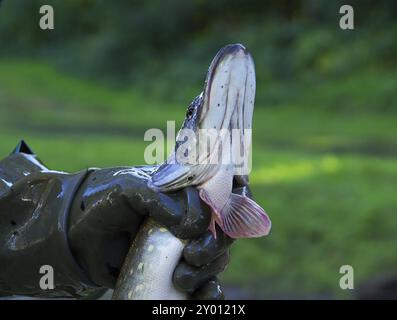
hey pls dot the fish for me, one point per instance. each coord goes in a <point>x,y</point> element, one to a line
<point>226,104</point>
<point>148,268</point>
<point>205,156</point>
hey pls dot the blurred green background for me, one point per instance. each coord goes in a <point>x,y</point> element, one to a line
<point>324,153</point>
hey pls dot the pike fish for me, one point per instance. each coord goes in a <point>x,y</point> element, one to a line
<point>226,103</point>
<point>214,138</point>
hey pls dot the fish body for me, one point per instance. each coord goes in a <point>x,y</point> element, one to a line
<point>205,156</point>
<point>148,268</point>
<point>226,104</point>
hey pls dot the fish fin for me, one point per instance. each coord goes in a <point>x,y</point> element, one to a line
<point>212,227</point>
<point>244,218</point>
<point>215,217</point>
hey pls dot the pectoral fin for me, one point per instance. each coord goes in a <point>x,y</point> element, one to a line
<point>212,227</point>
<point>244,218</point>
<point>241,217</point>
<point>215,216</point>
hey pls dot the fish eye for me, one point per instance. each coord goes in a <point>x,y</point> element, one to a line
<point>190,178</point>
<point>189,113</point>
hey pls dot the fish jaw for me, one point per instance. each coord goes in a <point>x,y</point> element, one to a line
<point>211,110</point>
<point>228,104</point>
<point>225,87</point>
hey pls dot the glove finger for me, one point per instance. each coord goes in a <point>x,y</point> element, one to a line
<point>188,278</point>
<point>210,290</point>
<point>165,209</point>
<point>196,218</point>
<point>206,248</point>
<point>182,212</point>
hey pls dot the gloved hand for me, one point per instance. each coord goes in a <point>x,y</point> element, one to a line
<point>108,210</point>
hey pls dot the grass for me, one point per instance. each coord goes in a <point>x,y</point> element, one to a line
<point>327,177</point>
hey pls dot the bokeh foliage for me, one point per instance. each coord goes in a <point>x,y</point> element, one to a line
<point>296,43</point>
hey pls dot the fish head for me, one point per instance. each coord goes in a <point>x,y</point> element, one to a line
<point>230,79</point>
<point>225,103</point>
